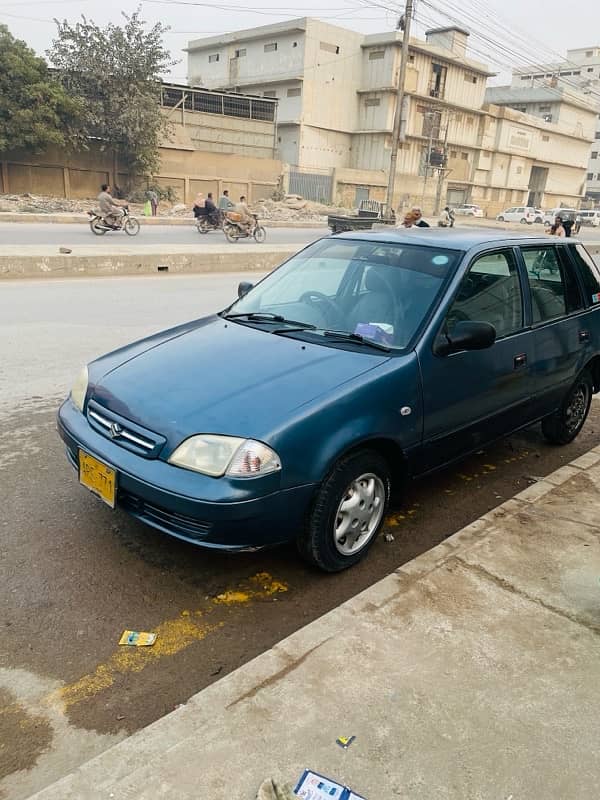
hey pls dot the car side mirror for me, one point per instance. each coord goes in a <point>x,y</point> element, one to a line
<point>466,336</point>
<point>244,287</point>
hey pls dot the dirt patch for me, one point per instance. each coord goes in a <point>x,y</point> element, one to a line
<point>23,736</point>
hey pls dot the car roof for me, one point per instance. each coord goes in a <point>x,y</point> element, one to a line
<point>451,238</point>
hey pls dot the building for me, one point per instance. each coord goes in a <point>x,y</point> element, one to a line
<point>578,74</point>
<point>337,93</point>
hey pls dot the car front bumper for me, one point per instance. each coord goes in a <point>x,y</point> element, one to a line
<point>147,489</point>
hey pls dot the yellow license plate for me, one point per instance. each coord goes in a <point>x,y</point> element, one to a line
<point>98,478</point>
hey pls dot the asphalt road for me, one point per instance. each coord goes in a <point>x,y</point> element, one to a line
<point>71,235</point>
<point>74,574</point>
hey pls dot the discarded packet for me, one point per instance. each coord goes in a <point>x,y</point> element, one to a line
<point>137,638</point>
<point>345,741</point>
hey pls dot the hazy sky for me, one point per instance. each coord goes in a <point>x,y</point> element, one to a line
<point>504,31</point>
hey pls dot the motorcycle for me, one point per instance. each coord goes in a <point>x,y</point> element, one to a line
<point>206,223</point>
<point>99,226</point>
<point>235,229</point>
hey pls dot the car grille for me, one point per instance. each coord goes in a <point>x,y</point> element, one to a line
<point>167,520</point>
<point>124,432</point>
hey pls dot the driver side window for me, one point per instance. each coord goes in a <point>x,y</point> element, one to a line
<point>490,292</point>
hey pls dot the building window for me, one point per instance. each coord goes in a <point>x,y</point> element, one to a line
<point>464,156</point>
<point>270,93</point>
<point>270,48</point>
<point>458,118</point>
<point>594,154</point>
<point>578,72</point>
<point>545,108</point>
<point>590,69</point>
<point>453,154</point>
<point>470,77</point>
<point>563,74</point>
<point>296,92</point>
<point>372,101</point>
<point>214,57</point>
<point>437,83</point>
<point>525,77</point>
<point>376,55</point>
<point>590,176</point>
<point>522,109</point>
<point>240,53</point>
<point>589,53</point>
<point>411,59</point>
<point>519,170</point>
<point>295,44</point>
<point>470,120</point>
<point>545,138</point>
<point>330,48</point>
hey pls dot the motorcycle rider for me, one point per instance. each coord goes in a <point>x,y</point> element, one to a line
<point>247,219</point>
<point>212,212</point>
<point>110,209</point>
<point>225,203</point>
<point>199,208</point>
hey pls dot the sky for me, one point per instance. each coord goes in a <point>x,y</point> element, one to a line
<point>502,32</point>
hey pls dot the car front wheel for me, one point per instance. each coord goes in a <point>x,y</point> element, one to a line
<point>347,513</point>
<point>500,219</point>
<point>564,425</point>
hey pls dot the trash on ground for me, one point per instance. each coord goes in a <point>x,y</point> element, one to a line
<point>389,537</point>
<point>120,717</point>
<point>65,250</point>
<point>313,786</point>
<point>272,790</point>
<point>138,638</point>
<point>217,671</point>
<point>345,741</point>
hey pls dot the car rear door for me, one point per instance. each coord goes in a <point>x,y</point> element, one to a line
<point>561,334</point>
<point>473,397</point>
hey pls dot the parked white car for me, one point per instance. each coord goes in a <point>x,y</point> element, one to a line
<point>526,215</point>
<point>590,217</point>
<point>565,213</point>
<point>468,210</point>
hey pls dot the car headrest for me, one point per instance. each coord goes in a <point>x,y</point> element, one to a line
<point>375,280</point>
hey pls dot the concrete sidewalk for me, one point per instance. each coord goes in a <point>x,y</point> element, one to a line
<point>66,218</point>
<point>470,672</point>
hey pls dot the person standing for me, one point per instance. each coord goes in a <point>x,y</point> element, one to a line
<point>558,229</point>
<point>419,221</point>
<point>445,220</point>
<point>410,220</point>
<point>568,225</point>
<point>577,227</point>
<point>153,198</point>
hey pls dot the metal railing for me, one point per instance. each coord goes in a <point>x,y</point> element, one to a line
<point>208,102</point>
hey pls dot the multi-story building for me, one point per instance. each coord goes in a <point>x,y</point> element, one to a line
<point>337,94</point>
<point>577,75</point>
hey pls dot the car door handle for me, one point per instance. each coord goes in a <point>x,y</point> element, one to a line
<point>584,336</point>
<point>520,360</point>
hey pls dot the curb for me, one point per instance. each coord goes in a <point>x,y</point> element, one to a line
<point>97,777</point>
<point>252,258</point>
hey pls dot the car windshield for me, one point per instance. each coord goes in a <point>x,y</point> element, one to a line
<point>375,291</point>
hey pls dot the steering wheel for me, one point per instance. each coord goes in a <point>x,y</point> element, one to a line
<point>310,296</point>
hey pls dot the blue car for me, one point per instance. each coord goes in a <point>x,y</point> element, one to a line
<point>362,361</point>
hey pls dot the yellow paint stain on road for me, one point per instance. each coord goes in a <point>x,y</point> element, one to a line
<point>173,636</point>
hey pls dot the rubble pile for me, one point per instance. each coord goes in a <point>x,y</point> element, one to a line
<point>292,208</point>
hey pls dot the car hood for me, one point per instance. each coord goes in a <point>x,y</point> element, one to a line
<point>216,376</point>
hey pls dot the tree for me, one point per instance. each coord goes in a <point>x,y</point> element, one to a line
<point>117,72</point>
<point>35,110</point>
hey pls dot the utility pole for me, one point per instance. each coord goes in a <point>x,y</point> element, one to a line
<point>399,105</point>
<point>443,171</point>
<point>432,117</point>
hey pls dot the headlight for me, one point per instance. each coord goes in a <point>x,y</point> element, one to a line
<point>79,389</point>
<point>220,455</point>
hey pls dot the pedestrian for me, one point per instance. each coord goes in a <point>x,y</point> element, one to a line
<point>410,220</point>
<point>420,222</point>
<point>557,229</point>
<point>577,227</point>
<point>568,225</point>
<point>153,198</point>
<point>445,220</point>
<point>225,203</point>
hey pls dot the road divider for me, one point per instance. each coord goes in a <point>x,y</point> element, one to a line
<point>102,260</point>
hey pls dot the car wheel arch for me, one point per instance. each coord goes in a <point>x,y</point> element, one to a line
<point>386,447</point>
<point>593,367</point>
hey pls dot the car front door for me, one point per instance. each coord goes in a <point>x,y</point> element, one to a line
<point>562,338</point>
<point>473,397</point>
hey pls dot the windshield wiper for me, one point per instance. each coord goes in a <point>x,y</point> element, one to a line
<point>257,315</point>
<point>356,338</point>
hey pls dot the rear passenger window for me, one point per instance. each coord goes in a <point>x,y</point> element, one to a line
<point>554,288</point>
<point>588,272</point>
<point>490,292</point>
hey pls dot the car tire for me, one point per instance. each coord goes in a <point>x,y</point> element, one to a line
<point>523,221</point>
<point>564,425</point>
<point>538,220</point>
<point>500,219</point>
<point>351,500</point>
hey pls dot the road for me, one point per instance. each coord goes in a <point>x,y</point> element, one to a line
<point>71,235</point>
<point>74,574</point>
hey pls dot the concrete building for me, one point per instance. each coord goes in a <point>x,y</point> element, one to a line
<point>579,75</point>
<point>337,93</point>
